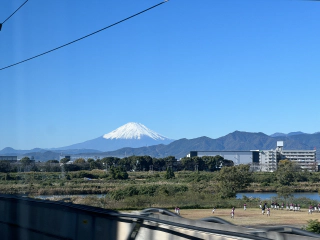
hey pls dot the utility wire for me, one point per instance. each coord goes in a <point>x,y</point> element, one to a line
<point>13,13</point>
<point>64,45</point>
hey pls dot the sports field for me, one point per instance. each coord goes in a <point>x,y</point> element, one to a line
<point>254,217</point>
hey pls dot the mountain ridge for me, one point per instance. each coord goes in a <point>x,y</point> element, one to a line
<point>237,140</point>
<point>129,135</point>
<point>232,141</point>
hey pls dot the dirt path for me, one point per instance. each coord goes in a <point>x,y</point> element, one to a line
<point>254,217</point>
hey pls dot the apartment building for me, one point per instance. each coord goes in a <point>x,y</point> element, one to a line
<point>266,160</point>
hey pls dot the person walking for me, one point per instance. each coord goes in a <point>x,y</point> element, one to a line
<point>244,206</point>
<point>268,212</point>
<point>310,209</point>
<point>263,208</point>
<point>213,210</point>
<point>232,212</point>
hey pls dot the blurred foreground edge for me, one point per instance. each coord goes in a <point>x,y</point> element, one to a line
<point>28,219</point>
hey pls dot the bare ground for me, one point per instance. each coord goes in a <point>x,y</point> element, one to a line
<point>254,217</point>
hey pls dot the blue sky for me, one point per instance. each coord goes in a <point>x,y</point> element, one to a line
<point>184,69</point>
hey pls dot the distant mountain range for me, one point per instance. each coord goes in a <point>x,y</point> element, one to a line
<point>136,139</point>
<point>233,141</point>
<point>129,135</point>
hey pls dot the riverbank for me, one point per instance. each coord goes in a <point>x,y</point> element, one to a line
<point>148,189</point>
<point>254,217</point>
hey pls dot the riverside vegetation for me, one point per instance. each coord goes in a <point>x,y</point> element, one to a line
<point>119,188</point>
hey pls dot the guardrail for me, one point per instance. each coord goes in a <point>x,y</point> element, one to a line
<point>26,218</point>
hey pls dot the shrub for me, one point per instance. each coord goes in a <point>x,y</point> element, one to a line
<point>169,174</point>
<point>118,173</point>
<point>313,226</point>
<point>81,174</point>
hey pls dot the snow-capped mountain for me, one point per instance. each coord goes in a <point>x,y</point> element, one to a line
<point>133,130</point>
<point>129,135</point>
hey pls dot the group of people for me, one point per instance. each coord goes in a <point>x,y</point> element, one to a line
<point>274,205</point>
<point>314,208</point>
<point>293,207</point>
<point>290,207</point>
<point>264,208</point>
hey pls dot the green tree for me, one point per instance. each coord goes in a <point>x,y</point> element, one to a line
<point>79,161</point>
<point>287,172</point>
<point>111,161</point>
<point>213,163</point>
<point>169,173</point>
<point>52,161</point>
<point>52,166</point>
<point>90,160</point>
<point>25,161</point>
<point>64,160</point>
<point>158,164</point>
<point>91,163</point>
<point>71,167</point>
<point>126,163</point>
<point>188,163</point>
<point>118,173</point>
<point>141,163</point>
<point>98,164</point>
<point>285,192</point>
<point>170,161</point>
<point>5,166</point>
<point>199,163</point>
<point>230,180</point>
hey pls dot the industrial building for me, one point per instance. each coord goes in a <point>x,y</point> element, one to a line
<point>266,160</point>
<point>238,157</point>
<point>11,159</point>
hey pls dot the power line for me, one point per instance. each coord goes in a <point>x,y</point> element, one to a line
<point>13,14</point>
<point>64,45</point>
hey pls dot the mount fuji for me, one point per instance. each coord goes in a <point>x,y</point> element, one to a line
<point>132,135</point>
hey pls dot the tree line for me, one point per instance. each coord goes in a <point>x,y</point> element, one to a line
<point>132,163</point>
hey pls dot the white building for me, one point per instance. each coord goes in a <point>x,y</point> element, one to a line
<point>306,159</point>
<point>266,160</point>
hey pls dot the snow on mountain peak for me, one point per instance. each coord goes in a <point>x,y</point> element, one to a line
<point>133,130</point>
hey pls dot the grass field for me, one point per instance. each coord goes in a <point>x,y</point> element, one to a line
<point>254,217</point>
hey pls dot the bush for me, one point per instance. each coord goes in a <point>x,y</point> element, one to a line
<point>71,167</point>
<point>81,174</point>
<point>313,226</point>
<point>118,173</point>
<point>169,174</point>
